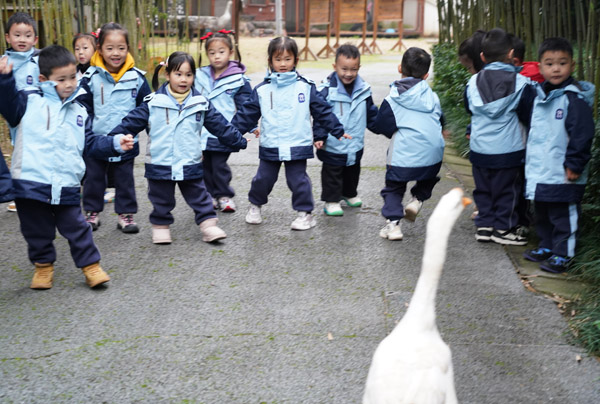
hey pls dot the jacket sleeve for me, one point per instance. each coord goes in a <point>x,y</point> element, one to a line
<point>525,106</point>
<point>142,92</point>
<point>319,132</point>
<point>322,112</point>
<point>242,94</point>
<point>385,123</point>
<point>13,103</point>
<point>579,124</point>
<point>466,101</point>
<point>221,128</point>
<point>98,146</point>
<point>248,115</point>
<point>86,99</point>
<point>372,112</point>
<point>134,122</point>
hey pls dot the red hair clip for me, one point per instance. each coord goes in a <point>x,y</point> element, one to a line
<point>208,35</point>
<point>226,31</point>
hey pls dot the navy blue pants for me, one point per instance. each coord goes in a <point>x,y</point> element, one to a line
<point>217,174</point>
<point>162,195</point>
<point>339,181</point>
<point>95,185</point>
<point>556,225</point>
<point>39,222</point>
<point>297,181</point>
<point>497,193</point>
<point>393,193</point>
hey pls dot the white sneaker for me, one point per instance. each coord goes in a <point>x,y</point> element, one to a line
<point>304,221</point>
<point>226,204</point>
<point>253,216</point>
<point>354,202</point>
<point>333,209</point>
<point>412,209</point>
<point>11,207</point>
<point>392,231</point>
<point>161,234</point>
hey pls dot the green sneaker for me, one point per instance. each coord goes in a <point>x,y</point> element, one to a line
<point>333,209</point>
<point>353,202</point>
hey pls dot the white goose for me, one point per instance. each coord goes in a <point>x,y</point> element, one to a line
<point>413,365</point>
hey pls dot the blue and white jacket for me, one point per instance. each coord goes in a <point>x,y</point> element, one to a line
<point>108,102</point>
<point>226,93</point>
<point>560,136</point>
<point>174,149</point>
<point>355,111</point>
<point>411,116</point>
<point>26,70</point>
<point>51,138</point>
<point>493,97</point>
<point>286,101</point>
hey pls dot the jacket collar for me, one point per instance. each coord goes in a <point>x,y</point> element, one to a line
<point>282,79</point>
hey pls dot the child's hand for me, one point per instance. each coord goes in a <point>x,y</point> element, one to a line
<point>5,67</point>
<point>572,176</point>
<point>256,132</point>
<point>345,136</point>
<point>126,142</point>
<point>319,144</point>
<point>445,133</point>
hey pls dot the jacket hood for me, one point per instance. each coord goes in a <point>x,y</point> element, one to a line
<point>48,88</point>
<point>18,59</point>
<point>335,82</point>
<point>282,79</point>
<point>496,85</point>
<point>414,94</point>
<point>584,88</point>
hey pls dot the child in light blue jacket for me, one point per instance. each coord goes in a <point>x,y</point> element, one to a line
<point>225,84</point>
<point>285,101</point>
<point>174,116</point>
<point>411,116</point>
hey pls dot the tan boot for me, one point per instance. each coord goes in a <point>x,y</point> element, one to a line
<point>210,231</point>
<point>161,234</point>
<point>95,275</point>
<point>42,278</point>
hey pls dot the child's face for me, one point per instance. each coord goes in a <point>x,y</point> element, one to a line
<point>182,79</point>
<point>84,50</point>
<point>467,63</point>
<point>114,51</point>
<point>556,66</point>
<point>283,62</point>
<point>21,37</point>
<point>219,55</point>
<point>346,68</point>
<point>65,78</point>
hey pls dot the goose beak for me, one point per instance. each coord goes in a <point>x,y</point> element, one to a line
<point>466,201</point>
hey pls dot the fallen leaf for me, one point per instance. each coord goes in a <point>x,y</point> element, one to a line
<point>330,336</point>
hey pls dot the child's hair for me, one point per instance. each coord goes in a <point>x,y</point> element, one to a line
<point>471,48</point>
<point>415,63</point>
<point>174,62</point>
<point>555,44</point>
<point>54,56</point>
<point>518,47</point>
<point>282,44</point>
<point>89,37</point>
<point>21,18</point>
<point>112,26</point>
<point>496,45</point>
<point>224,36</point>
<point>348,50</point>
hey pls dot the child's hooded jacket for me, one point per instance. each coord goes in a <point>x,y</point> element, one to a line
<point>411,116</point>
<point>25,67</point>
<point>286,101</point>
<point>560,136</point>
<point>51,138</point>
<point>174,149</point>
<point>227,94</point>
<point>355,112</point>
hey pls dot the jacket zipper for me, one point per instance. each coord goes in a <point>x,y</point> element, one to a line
<point>102,93</point>
<point>341,109</point>
<point>167,111</point>
<point>271,99</point>
<point>48,124</point>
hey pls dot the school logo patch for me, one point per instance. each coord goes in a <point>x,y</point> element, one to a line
<point>559,113</point>
<point>134,93</point>
<point>79,120</point>
<point>301,98</point>
<point>29,79</point>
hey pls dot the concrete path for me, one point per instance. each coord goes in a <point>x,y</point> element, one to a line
<point>271,315</point>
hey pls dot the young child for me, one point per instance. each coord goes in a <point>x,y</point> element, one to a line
<point>285,101</point>
<point>53,134</point>
<point>469,52</point>
<point>350,97</point>
<point>493,98</point>
<point>174,116</point>
<point>84,47</point>
<point>113,88</point>
<point>558,152</point>
<point>411,116</point>
<point>21,37</point>
<point>528,69</point>
<point>223,82</point>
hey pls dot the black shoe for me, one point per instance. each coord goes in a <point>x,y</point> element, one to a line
<point>508,237</point>
<point>484,234</point>
<point>537,255</point>
<point>556,264</point>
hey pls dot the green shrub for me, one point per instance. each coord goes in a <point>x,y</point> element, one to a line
<point>449,82</point>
